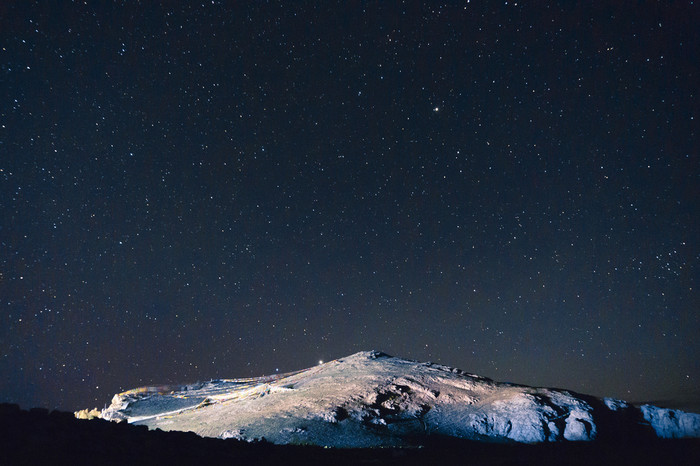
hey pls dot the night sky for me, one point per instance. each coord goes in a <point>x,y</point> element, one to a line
<point>220,190</point>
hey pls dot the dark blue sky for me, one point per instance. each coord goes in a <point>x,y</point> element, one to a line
<point>216,190</point>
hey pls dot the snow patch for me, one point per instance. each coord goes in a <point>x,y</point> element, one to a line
<point>615,405</point>
<point>671,423</point>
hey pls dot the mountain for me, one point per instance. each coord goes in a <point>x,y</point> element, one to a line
<point>371,399</point>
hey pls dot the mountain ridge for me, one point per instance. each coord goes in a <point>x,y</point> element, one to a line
<point>371,399</point>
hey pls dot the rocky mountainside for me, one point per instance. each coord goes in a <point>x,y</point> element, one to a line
<point>372,399</point>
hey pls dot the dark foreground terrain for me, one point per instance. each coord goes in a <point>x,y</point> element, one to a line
<point>42,437</point>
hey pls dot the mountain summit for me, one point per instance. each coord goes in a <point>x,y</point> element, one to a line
<point>372,399</point>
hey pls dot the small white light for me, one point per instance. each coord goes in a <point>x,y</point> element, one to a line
<point>320,361</point>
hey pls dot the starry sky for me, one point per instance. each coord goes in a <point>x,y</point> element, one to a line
<point>217,190</point>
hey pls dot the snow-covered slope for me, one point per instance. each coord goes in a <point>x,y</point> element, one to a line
<point>372,399</point>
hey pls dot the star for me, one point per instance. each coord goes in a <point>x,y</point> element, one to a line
<point>258,203</point>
